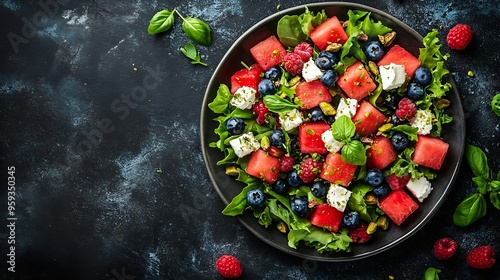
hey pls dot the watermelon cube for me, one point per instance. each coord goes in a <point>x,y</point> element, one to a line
<point>326,216</point>
<point>368,119</point>
<point>381,153</point>
<point>328,32</point>
<point>398,55</point>
<point>311,94</point>
<point>398,205</point>
<point>263,166</point>
<point>268,53</point>
<point>310,137</point>
<point>356,82</point>
<point>246,77</point>
<point>337,171</point>
<point>430,151</point>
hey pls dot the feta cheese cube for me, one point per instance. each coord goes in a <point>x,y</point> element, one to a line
<point>392,76</point>
<point>291,119</point>
<point>422,121</point>
<point>310,71</point>
<point>245,144</point>
<point>243,98</point>
<point>338,196</point>
<point>420,188</point>
<point>332,145</point>
<point>347,107</point>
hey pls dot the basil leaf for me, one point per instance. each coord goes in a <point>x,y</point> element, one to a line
<point>354,153</point>
<point>482,184</point>
<point>495,199</point>
<point>192,53</point>
<point>477,161</point>
<point>221,101</point>
<point>431,273</point>
<point>471,209</point>
<point>343,129</point>
<point>197,30</point>
<point>161,21</point>
<point>289,31</point>
<point>494,186</point>
<point>495,104</point>
<point>277,104</point>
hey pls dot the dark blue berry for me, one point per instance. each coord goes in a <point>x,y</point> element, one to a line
<point>325,60</point>
<point>299,205</point>
<point>280,186</point>
<point>276,138</point>
<point>316,115</point>
<point>382,190</point>
<point>329,78</point>
<point>318,189</point>
<point>399,141</point>
<point>422,76</point>
<point>374,50</point>
<point>415,91</point>
<point>273,74</point>
<point>351,219</point>
<point>266,87</point>
<point>397,121</point>
<point>293,179</point>
<point>374,177</point>
<point>256,198</point>
<point>235,126</point>
<point>330,119</point>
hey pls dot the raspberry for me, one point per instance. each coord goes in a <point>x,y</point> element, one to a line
<point>359,234</point>
<point>459,36</point>
<point>310,169</point>
<point>406,109</point>
<point>396,182</point>
<point>481,257</point>
<point>444,248</point>
<point>304,50</point>
<point>293,63</point>
<point>228,266</point>
<point>260,109</point>
<point>287,163</point>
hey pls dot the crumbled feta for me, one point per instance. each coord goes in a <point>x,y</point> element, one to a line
<point>332,145</point>
<point>347,107</point>
<point>243,98</point>
<point>338,196</point>
<point>420,188</point>
<point>422,121</point>
<point>310,71</point>
<point>291,119</point>
<point>245,144</point>
<point>392,75</point>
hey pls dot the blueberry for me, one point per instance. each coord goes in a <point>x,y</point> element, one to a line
<point>256,198</point>
<point>299,205</point>
<point>374,177</point>
<point>318,189</point>
<point>266,87</point>
<point>397,121</point>
<point>399,141</point>
<point>374,50</point>
<point>351,219</point>
<point>280,186</point>
<point>293,179</point>
<point>415,91</point>
<point>316,115</point>
<point>273,74</point>
<point>235,126</point>
<point>382,190</point>
<point>422,76</point>
<point>330,119</point>
<point>276,138</point>
<point>329,78</point>
<point>325,60</point>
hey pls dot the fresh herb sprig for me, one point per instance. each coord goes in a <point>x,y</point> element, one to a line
<point>495,104</point>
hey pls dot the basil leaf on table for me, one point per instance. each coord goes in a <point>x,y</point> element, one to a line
<point>197,30</point>
<point>431,273</point>
<point>495,199</point>
<point>190,51</point>
<point>495,104</point>
<point>471,209</point>
<point>161,21</point>
<point>477,161</point>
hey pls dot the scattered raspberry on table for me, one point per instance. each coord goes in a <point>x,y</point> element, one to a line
<point>459,36</point>
<point>481,257</point>
<point>228,266</point>
<point>444,248</point>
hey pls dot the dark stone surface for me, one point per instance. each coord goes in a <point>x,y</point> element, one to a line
<point>87,133</point>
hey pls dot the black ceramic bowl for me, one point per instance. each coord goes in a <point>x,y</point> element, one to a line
<point>227,187</point>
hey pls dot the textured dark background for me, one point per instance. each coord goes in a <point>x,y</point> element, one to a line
<point>91,106</point>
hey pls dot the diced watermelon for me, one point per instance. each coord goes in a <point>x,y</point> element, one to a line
<point>311,94</point>
<point>263,166</point>
<point>310,137</point>
<point>381,153</point>
<point>246,77</point>
<point>329,32</point>
<point>398,55</point>
<point>398,205</point>
<point>430,151</point>
<point>368,119</point>
<point>326,216</point>
<point>356,82</point>
<point>268,53</point>
<point>337,171</point>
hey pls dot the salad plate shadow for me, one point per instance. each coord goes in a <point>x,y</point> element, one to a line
<point>227,187</point>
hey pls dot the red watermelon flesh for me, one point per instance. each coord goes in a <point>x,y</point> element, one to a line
<point>311,94</point>
<point>356,82</point>
<point>326,216</point>
<point>368,119</point>
<point>430,151</point>
<point>329,32</point>
<point>381,153</point>
<point>263,166</point>
<point>398,205</point>
<point>268,53</point>
<point>337,171</point>
<point>398,55</point>
<point>246,77</point>
<point>310,137</point>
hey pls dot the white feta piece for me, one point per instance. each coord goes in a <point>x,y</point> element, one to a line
<point>332,145</point>
<point>392,76</point>
<point>338,196</point>
<point>422,121</point>
<point>310,71</point>
<point>420,188</point>
<point>243,98</point>
<point>245,144</point>
<point>291,119</point>
<point>347,107</point>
